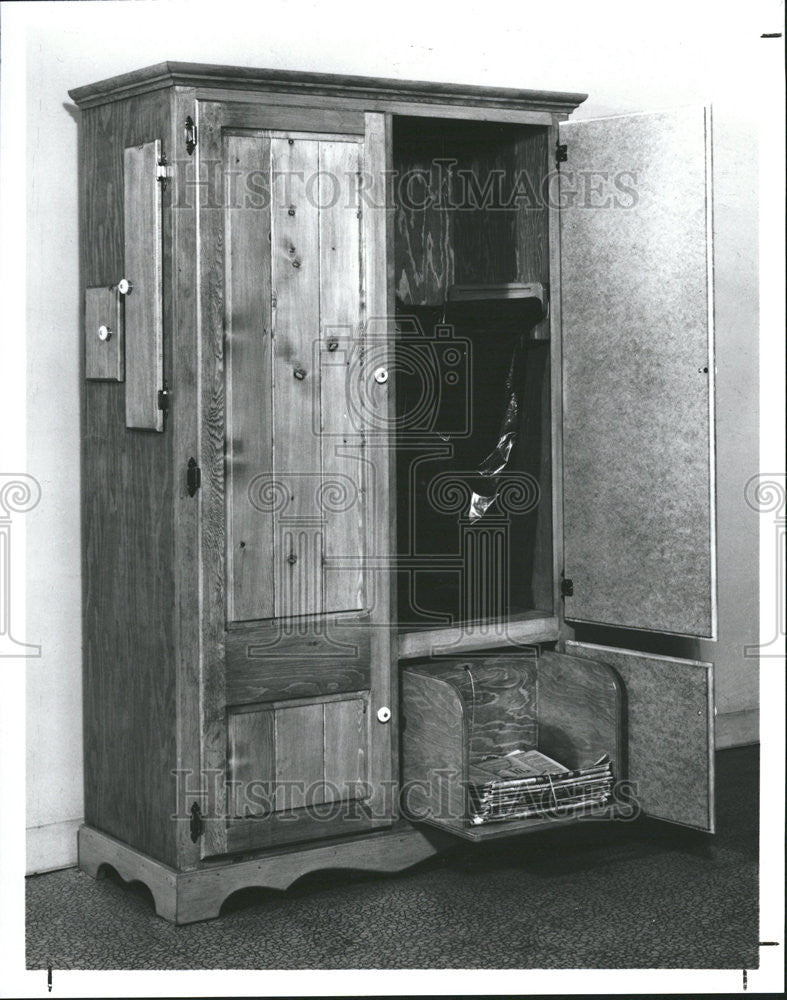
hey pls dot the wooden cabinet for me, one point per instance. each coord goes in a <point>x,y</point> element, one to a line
<point>378,374</point>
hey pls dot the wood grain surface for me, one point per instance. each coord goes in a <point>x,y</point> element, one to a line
<point>345,89</point>
<point>580,711</point>
<point>342,483</point>
<point>104,359</point>
<point>127,529</point>
<point>144,333</point>
<point>250,553</point>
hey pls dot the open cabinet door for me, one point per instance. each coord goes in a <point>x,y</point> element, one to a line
<point>668,726</point>
<point>639,546</point>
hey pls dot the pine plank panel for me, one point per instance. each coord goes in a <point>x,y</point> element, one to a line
<point>278,118</point>
<point>104,359</point>
<point>212,496</point>
<point>249,380</point>
<point>144,334</point>
<point>404,108</point>
<point>251,739</point>
<point>127,531</point>
<point>637,439</point>
<point>296,325</point>
<point>299,756</point>
<point>345,748</point>
<point>669,731</point>
<point>266,661</point>
<point>341,486</point>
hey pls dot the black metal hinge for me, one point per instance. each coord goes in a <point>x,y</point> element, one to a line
<point>163,398</point>
<point>196,825</point>
<point>561,152</point>
<point>566,587</point>
<point>193,477</point>
<point>190,130</point>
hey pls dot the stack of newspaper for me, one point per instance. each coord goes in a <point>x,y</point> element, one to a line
<point>527,783</point>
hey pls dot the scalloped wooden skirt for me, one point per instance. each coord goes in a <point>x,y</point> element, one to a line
<point>185,897</point>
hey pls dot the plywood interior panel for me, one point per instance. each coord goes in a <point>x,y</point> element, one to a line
<point>637,373</point>
<point>669,731</point>
<point>579,711</point>
<point>470,206</point>
<point>144,333</point>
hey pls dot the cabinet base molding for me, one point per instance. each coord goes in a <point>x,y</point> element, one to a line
<point>198,894</point>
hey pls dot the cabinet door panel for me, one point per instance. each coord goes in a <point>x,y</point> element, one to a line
<point>668,731</point>
<point>638,372</point>
<point>296,652</point>
<point>287,758</point>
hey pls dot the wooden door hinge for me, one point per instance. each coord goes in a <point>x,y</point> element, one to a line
<point>193,478</point>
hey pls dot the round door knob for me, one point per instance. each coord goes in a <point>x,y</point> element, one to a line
<point>381,375</point>
<point>300,374</point>
<point>104,332</point>
<point>384,714</point>
<point>125,286</point>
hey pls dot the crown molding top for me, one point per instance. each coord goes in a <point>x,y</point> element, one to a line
<point>169,74</point>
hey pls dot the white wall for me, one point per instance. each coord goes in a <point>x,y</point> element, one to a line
<point>676,53</point>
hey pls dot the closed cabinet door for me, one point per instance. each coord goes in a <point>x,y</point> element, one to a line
<point>297,717</point>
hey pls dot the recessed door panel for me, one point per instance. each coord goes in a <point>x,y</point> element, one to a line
<point>638,372</point>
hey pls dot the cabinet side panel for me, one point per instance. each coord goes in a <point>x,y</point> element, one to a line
<point>127,476</point>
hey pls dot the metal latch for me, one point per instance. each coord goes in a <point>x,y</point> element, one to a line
<point>193,477</point>
<point>196,825</point>
<point>163,398</point>
<point>190,130</point>
<point>566,587</point>
<point>561,152</point>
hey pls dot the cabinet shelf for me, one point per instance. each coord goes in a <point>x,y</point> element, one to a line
<point>528,629</point>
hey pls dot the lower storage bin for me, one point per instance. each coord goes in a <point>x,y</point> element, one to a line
<point>500,744</point>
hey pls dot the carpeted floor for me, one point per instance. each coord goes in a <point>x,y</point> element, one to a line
<point>640,895</point>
